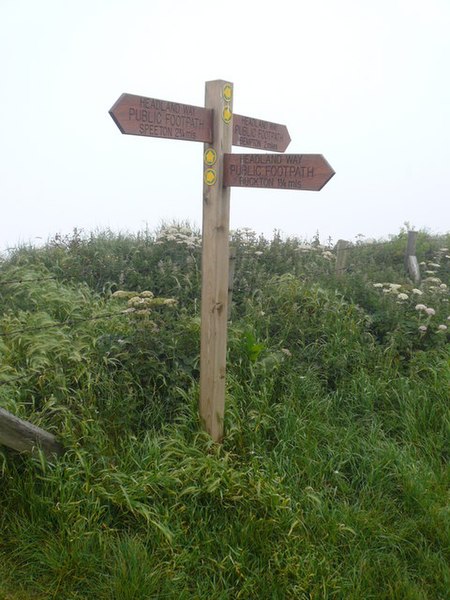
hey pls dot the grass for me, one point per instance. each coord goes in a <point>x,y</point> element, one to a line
<point>332,481</point>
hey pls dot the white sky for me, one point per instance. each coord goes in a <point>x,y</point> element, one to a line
<point>365,83</point>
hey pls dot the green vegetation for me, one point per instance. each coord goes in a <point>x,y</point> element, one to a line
<point>333,479</point>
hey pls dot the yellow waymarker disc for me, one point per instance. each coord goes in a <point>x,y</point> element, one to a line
<point>210,156</point>
<point>227,115</point>
<point>210,177</point>
<point>227,92</point>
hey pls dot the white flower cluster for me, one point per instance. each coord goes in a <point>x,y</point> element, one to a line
<point>245,235</point>
<point>433,287</point>
<point>141,303</point>
<point>180,235</point>
<point>328,255</point>
<point>432,266</point>
<point>430,312</point>
<point>137,302</point>
<point>305,248</point>
<point>123,295</point>
<point>427,310</point>
<point>392,288</point>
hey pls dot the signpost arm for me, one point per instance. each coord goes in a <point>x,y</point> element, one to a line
<point>215,256</point>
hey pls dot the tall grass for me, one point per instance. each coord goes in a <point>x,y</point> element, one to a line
<point>332,481</point>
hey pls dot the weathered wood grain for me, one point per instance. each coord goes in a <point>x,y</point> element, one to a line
<point>23,436</point>
<point>215,262</point>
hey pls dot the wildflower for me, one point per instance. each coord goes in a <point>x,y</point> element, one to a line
<point>434,265</point>
<point>137,302</point>
<point>123,294</point>
<point>402,296</point>
<point>286,351</point>
<point>442,327</point>
<point>423,328</point>
<point>430,311</point>
<point>146,294</point>
<point>443,249</point>
<point>170,302</point>
<point>163,302</point>
<point>378,285</point>
<point>432,280</point>
<point>420,307</point>
<point>417,292</point>
<point>395,286</point>
<point>443,286</point>
<point>258,253</point>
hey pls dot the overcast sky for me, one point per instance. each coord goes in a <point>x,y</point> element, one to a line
<point>364,83</point>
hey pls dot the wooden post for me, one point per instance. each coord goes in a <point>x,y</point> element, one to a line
<point>341,256</point>
<point>231,269</point>
<point>215,256</point>
<point>410,246</point>
<point>23,436</point>
<point>411,263</point>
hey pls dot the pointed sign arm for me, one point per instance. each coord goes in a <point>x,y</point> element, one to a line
<point>279,171</point>
<point>264,135</point>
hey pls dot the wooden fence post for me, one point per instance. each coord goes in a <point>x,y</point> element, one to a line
<point>411,263</point>
<point>215,261</point>
<point>23,436</point>
<point>231,269</point>
<point>341,256</point>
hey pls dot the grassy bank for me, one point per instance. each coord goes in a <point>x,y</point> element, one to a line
<point>332,481</point>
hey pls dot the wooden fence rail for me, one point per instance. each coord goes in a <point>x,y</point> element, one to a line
<point>23,436</point>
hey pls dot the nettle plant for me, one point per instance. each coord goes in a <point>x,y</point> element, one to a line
<point>425,310</point>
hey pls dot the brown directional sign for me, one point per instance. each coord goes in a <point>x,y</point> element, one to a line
<point>255,133</point>
<point>281,171</point>
<point>137,115</point>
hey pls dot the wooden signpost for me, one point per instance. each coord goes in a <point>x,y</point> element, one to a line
<point>218,128</point>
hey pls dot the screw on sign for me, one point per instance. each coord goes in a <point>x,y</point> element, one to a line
<point>219,128</point>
